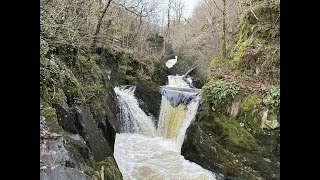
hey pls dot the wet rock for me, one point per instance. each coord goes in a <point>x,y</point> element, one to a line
<point>178,96</point>
<point>218,142</point>
<point>206,144</point>
<point>107,168</point>
<point>90,132</point>
<point>106,118</point>
<point>54,152</point>
<point>79,152</point>
<point>62,173</point>
<point>147,91</point>
<point>64,118</point>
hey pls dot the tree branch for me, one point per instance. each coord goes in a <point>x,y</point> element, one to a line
<point>134,12</point>
<point>187,21</point>
<point>217,6</point>
<point>253,12</point>
<point>99,24</point>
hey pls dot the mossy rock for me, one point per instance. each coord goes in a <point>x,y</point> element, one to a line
<point>219,143</point>
<point>231,133</point>
<point>201,147</point>
<point>107,168</point>
<point>51,119</point>
<point>79,152</point>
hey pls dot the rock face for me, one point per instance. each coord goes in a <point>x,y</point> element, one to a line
<point>89,130</point>
<point>63,173</point>
<point>219,143</point>
<point>64,118</point>
<point>55,162</point>
<point>78,102</point>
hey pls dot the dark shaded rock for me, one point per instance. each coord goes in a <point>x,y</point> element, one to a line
<point>149,97</point>
<point>200,147</point>
<point>64,118</point>
<point>219,143</point>
<point>90,132</point>
<point>79,152</point>
<point>64,101</point>
<point>105,117</point>
<point>62,173</point>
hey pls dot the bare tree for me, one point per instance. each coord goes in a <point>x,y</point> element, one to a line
<point>94,39</point>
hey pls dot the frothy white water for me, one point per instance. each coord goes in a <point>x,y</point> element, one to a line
<point>177,81</point>
<point>143,157</point>
<point>132,117</point>
<point>144,152</point>
<point>174,121</point>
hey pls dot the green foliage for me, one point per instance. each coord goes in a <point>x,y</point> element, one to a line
<point>51,119</point>
<point>48,112</point>
<point>250,102</point>
<point>220,60</point>
<point>53,75</point>
<point>44,47</point>
<point>49,72</point>
<point>271,96</point>
<point>218,90</point>
<point>98,88</point>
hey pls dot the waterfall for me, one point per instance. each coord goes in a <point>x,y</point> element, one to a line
<point>144,151</point>
<point>132,117</point>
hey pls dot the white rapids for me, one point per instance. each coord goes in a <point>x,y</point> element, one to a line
<point>143,151</point>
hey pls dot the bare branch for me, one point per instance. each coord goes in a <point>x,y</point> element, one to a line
<point>218,7</point>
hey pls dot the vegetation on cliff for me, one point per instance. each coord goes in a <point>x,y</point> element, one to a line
<point>240,113</point>
<point>89,47</point>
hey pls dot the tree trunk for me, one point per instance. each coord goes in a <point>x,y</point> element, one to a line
<point>224,29</point>
<point>94,39</point>
<point>168,31</point>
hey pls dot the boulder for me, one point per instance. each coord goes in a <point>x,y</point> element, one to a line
<point>90,132</point>
<point>62,173</point>
<point>64,118</point>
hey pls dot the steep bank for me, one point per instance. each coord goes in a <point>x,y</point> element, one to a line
<point>237,129</point>
<point>78,104</point>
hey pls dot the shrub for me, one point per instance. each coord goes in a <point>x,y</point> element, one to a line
<point>218,91</point>
<point>271,96</point>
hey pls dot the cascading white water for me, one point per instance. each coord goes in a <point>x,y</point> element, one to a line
<point>144,152</point>
<point>177,81</point>
<point>132,117</point>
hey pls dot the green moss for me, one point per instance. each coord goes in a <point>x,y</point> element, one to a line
<point>56,97</point>
<point>242,41</point>
<point>217,156</point>
<point>48,112</point>
<point>220,60</point>
<point>251,121</point>
<point>109,167</point>
<point>234,135</point>
<point>44,94</point>
<point>78,151</point>
<point>51,118</point>
<point>249,102</point>
<point>241,49</point>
